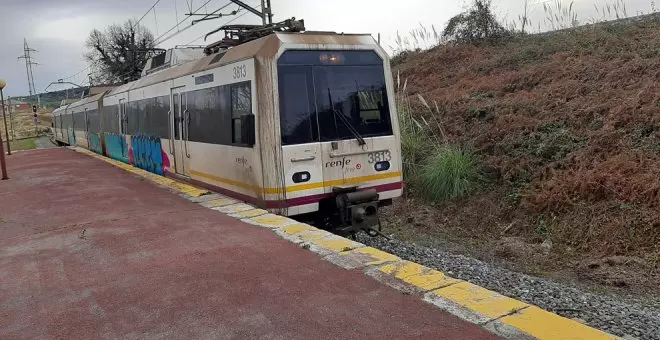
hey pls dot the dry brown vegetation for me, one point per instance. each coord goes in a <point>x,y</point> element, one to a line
<point>566,127</point>
<point>23,125</point>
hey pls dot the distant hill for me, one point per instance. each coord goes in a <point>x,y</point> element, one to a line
<point>51,100</point>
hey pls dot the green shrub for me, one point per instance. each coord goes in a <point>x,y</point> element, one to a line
<point>475,26</point>
<point>435,169</point>
<point>449,172</point>
<point>415,144</point>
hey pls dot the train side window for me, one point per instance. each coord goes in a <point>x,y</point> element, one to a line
<point>142,119</point>
<point>93,118</point>
<point>241,104</point>
<point>210,115</point>
<point>158,116</point>
<point>79,121</point>
<point>132,117</point>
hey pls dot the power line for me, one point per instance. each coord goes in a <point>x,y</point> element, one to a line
<point>156,21</point>
<point>176,12</point>
<point>135,25</point>
<point>77,73</point>
<point>158,41</point>
<point>147,12</point>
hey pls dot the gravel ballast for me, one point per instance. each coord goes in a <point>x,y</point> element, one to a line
<point>627,317</point>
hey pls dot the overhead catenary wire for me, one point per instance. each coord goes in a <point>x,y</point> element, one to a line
<point>77,73</point>
<point>176,13</point>
<point>135,25</point>
<point>228,22</point>
<point>159,41</point>
<point>147,12</point>
<point>156,21</point>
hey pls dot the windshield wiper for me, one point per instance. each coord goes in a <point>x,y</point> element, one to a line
<point>345,120</point>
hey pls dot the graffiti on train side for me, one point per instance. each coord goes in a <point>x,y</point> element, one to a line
<point>72,136</point>
<point>146,153</point>
<point>95,143</point>
<point>115,147</point>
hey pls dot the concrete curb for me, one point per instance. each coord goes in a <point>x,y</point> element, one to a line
<point>506,317</point>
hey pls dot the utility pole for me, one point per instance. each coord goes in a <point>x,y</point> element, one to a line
<point>28,69</point>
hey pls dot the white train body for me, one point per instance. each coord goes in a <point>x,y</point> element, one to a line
<point>259,122</point>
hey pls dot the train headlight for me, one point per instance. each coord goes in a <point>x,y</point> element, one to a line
<point>382,166</point>
<point>300,177</point>
<point>331,58</point>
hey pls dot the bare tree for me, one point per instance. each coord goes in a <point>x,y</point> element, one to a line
<point>119,54</point>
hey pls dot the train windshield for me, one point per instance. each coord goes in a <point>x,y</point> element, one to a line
<point>329,96</point>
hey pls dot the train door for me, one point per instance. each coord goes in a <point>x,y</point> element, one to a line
<point>179,130</point>
<point>123,128</point>
<point>301,150</point>
<point>66,122</point>
<point>86,128</point>
<point>60,117</point>
<point>72,130</point>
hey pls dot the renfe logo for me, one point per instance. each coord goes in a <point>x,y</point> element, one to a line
<point>241,160</point>
<point>338,164</point>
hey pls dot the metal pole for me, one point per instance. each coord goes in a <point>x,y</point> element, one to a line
<point>3,166</point>
<point>2,160</point>
<point>270,12</point>
<point>11,119</point>
<point>4,117</point>
<point>263,12</point>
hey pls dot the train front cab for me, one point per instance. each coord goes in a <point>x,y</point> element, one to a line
<point>339,133</point>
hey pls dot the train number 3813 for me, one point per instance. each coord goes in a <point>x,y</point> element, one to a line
<point>379,156</point>
<point>240,72</point>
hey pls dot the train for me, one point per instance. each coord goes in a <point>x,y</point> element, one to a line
<point>299,123</point>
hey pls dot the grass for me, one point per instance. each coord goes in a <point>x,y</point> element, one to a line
<point>436,169</point>
<point>449,173</point>
<point>23,144</point>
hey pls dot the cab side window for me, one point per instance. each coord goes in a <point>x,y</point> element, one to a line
<point>241,104</point>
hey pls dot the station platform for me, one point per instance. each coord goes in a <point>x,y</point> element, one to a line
<point>90,251</point>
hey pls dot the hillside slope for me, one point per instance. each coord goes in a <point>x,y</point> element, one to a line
<point>566,128</point>
<point>52,100</point>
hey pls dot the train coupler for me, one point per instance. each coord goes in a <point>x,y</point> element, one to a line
<point>358,211</point>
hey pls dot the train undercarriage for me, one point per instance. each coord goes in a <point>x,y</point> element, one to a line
<point>348,212</point>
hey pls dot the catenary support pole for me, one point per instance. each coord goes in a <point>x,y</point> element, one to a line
<point>3,166</point>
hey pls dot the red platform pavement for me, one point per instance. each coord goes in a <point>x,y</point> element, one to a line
<point>151,264</point>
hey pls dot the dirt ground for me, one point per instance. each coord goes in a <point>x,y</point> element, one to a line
<point>566,128</point>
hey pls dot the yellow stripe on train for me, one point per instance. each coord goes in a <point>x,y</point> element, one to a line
<point>299,187</point>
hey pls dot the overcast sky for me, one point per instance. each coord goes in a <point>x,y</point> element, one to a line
<point>58,28</point>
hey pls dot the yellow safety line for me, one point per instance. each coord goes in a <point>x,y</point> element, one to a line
<point>526,319</point>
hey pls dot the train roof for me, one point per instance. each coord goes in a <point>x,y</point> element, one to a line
<point>59,109</point>
<point>87,100</point>
<point>263,49</point>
